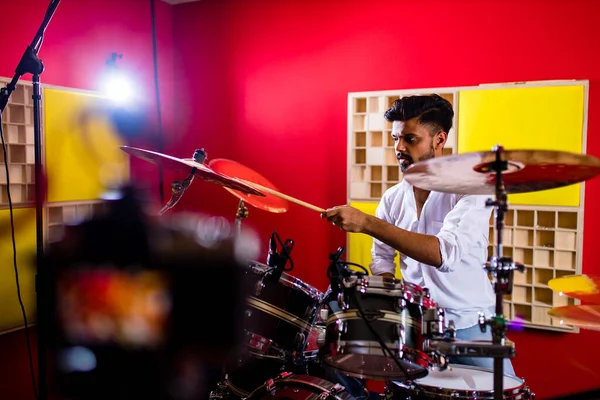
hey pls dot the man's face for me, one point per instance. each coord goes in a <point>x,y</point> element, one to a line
<point>413,142</point>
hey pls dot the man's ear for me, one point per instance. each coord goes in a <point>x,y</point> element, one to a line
<point>440,140</point>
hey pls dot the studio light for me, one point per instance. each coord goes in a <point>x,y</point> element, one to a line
<point>116,85</point>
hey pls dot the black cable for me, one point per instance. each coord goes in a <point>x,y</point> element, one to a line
<point>353,264</point>
<point>285,251</point>
<point>381,342</point>
<point>14,248</point>
<point>157,93</point>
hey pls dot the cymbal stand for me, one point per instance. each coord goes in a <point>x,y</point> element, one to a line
<point>242,212</point>
<point>501,270</point>
<point>179,187</point>
<point>177,190</point>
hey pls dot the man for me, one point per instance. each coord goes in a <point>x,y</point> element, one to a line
<point>442,238</point>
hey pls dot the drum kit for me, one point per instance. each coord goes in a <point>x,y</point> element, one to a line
<point>374,327</point>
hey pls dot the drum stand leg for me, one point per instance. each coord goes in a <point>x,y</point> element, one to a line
<point>242,212</point>
<point>501,270</point>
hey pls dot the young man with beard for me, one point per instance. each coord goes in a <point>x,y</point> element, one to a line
<point>442,238</point>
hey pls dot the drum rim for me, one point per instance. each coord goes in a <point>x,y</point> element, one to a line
<point>433,389</point>
<point>290,281</point>
<point>327,359</point>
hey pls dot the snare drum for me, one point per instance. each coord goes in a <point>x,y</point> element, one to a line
<point>394,311</point>
<point>300,387</point>
<point>280,313</point>
<point>461,382</point>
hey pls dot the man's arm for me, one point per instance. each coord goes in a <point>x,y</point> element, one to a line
<point>463,227</point>
<point>420,247</point>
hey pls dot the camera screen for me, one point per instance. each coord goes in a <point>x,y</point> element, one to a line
<point>107,306</point>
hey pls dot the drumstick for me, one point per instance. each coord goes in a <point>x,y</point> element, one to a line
<point>284,196</point>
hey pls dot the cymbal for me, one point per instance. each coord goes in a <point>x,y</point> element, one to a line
<point>202,171</point>
<point>528,171</point>
<point>582,287</point>
<point>234,169</point>
<point>583,316</point>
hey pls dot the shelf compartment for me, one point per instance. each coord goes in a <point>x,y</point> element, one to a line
<point>360,139</point>
<point>524,237</point>
<point>525,218</point>
<point>376,190</point>
<point>373,105</point>
<point>540,315</point>
<point>522,294</point>
<point>522,312</point>
<point>360,156</point>
<point>359,123</point>
<point>543,296</point>
<point>392,174</point>
<point>567,220</point>
<point>376,139</point>
<point>543,258</point>
<point>376,172</point>
<point>542,276</point>
<point>524,278</point>
<point>360,105</point>
<point>524,256</point>
<point>358,173</point>
<point>565,240</point>
<point>544,239</point>
<point>546,219</point>
<point>565,260</point>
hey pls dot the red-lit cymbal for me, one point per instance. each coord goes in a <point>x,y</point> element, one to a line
<point>583,287</point>
<point>187,164</point>
<point>234,169</point>
<point>528,171</point>
<point>583,316</point>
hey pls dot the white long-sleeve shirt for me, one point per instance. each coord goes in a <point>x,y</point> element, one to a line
<point>461,224</point>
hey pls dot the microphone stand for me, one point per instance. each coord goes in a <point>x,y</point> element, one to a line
<point>31,64</point>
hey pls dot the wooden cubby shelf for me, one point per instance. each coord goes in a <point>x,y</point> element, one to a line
<point>60,214</point>
<point>545,240</point>
<point>543,230</point>
<point>373,165</point>
<point>17,128</point>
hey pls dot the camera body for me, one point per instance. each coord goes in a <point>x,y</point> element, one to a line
<point>143,307</point>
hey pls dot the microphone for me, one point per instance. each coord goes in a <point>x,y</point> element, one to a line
<point>337,272</point>
<point>278,260</point>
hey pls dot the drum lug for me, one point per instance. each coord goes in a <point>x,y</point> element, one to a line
<point>299,340</point>
<point>341,303</point>
<point>401,341</point>
<point>324,314</point>
<point>258,288</point>
<point>401,304</point>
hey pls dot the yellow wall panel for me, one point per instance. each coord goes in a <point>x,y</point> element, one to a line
<point>359,245</point>
<point>10,311</point>
<point>541,118</point>
<point>82,155</point>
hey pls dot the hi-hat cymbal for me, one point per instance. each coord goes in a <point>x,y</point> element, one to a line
<point>582,287</point>
<point>583,316</point>
<point>234,169</point>
<point>187,164</point>
<point>528,171</point>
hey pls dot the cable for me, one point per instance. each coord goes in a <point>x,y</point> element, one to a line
<point>285,251</point>
<point>384,347</point>
<point>14,248</point>
<point>157,93</point>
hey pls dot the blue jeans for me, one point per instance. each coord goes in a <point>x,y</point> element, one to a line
<point>474,333</point>
<point>356,387</point>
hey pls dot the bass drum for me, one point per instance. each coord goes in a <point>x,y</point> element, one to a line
<point>300,387</point>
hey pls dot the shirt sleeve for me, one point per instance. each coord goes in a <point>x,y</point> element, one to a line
<point>383,255</point>
<point>465,227</point>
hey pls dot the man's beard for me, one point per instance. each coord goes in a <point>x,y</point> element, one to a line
<point>426,156</point>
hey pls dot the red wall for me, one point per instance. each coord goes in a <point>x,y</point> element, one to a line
<point>79,39</point>
<point>266,83</point>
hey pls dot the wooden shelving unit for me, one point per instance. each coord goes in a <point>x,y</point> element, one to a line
<point>373,164</point>
<point>60,214</point>
<point>546,241</point>
<point>17,126</point>
<point>543,233</point>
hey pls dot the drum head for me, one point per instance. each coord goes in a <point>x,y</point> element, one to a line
<point>463,380</point>
<point>366,366</point>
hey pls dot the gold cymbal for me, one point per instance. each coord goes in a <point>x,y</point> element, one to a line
<point>527,171</point>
